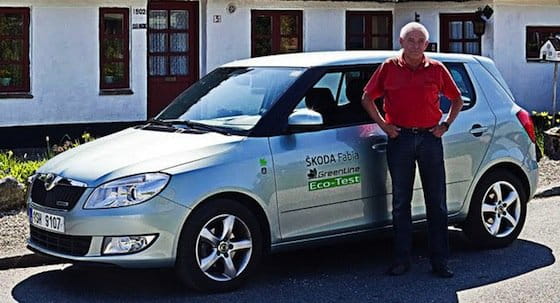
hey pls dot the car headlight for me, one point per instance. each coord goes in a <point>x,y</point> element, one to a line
<point>127,191</point>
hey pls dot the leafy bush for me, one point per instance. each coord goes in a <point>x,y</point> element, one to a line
<point>67,143</point>
<point>542,122</point>
<point>19,168</point>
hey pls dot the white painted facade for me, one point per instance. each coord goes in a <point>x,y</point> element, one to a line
<point>64,49</point>
<point>64,72</point>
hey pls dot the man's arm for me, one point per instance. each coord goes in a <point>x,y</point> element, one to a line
<point>456,106</point>
<point>391,130</point>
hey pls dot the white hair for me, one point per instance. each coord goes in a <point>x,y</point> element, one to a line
<point>412,26</point>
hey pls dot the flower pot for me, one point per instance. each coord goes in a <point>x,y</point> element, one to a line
<point>552,143</point>
<point>5,81</point>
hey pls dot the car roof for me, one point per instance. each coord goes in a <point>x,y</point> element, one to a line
<point>335,58</point>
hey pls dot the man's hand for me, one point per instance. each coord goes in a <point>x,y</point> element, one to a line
<point>439,130</point>
<point>391,130</point>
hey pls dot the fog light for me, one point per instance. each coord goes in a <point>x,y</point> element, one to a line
<point>127,244</point>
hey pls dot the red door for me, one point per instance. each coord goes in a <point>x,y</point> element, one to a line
<point>172,51</point>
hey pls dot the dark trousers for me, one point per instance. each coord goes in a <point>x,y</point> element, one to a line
<point>403,153</point>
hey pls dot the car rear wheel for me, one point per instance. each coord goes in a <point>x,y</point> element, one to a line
<point>220,246</point>
<point>497,211</point>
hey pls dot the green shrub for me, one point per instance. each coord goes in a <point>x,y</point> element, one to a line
<point>542,122</point>
<point>19,168</point>
<point>67,143</point>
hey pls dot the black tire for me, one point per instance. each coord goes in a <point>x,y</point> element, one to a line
<point>475,227</point>
<point>187,264</point>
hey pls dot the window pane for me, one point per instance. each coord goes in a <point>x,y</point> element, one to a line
<point>10,75</point>
<point>113,73</point>
<point>456,29</point>
<point>156,66</point>
<point>179,65</point>
<point>456,47</point>
<point>263,47</point>
<point>356,43</point>
<point>158,42</point>
<point>380,43</point>
<point>263,25</point>
<point>113,24</point>
<point>179,42</point>
<point>288,44</point>
<point>10,50</point>
<point>469,30</point>
<point>356,24</point>
<point>288,25</point>
<point>179,19</point>
<point>379,25</point>
<point>114,49</point>
<point>158,19</point>
<point>11,24</point>
<point>472,48</point>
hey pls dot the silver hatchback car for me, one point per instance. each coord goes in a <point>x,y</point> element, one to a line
<point>271,153</point>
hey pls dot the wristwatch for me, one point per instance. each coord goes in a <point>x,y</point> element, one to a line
<point>445,124</point>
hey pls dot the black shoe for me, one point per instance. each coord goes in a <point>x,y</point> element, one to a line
<point>398,269</point>
<point>442,271</point>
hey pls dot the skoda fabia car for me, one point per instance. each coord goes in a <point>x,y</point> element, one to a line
<point>271,153</point>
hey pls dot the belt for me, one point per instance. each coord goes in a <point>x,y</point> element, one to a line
<point>415,130</point>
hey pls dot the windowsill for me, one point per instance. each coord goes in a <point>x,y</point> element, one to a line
<point>14,95</point>
<point>116,92</point>
<point>537,60</point>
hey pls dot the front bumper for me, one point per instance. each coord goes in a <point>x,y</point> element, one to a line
<point>158,216</point>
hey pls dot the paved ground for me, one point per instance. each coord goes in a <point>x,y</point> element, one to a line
<point>526,271</point>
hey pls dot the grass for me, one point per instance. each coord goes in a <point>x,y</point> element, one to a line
<point>19,168</point>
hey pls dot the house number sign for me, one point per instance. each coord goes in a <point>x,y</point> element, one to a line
<point>139,18</point>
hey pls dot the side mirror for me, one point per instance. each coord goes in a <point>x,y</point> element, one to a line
<point>305,119</point>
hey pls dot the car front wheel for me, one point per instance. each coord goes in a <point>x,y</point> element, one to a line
<point>220,246</point>
<point>497,211</point>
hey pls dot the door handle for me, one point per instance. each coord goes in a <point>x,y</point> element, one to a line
<point>477,130</point>
<point>380,147</point>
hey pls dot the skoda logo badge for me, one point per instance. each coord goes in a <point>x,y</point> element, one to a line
<point>51,180</point>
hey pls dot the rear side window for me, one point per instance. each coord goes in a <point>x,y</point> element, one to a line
<point>461,78</point>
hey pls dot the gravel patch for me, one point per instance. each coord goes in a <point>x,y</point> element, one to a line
<point>14,226</point>
<point>14,230</point>
<point>549,173</point>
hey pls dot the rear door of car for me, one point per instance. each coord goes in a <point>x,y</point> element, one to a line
<point>466,142</point>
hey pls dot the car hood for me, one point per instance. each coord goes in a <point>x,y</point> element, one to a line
<point>133,151</point>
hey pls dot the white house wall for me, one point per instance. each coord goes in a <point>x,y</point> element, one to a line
<point>530,82</point>
<point>64,73</point>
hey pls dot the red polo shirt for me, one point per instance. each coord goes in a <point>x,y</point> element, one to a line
<point>411,97</point>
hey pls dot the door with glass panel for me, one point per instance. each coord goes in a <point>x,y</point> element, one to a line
<point>172,51</point>
<point>457,34</point>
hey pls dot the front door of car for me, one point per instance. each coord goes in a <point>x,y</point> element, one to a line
<point>335,178</point>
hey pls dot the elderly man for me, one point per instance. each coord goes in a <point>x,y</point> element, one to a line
<point>410,84</point>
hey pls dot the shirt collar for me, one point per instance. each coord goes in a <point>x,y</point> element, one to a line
<point>402,63</point>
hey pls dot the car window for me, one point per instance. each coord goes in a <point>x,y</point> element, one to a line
<point>233,98</point>
<point>461,78</point>
<point>337,96</point>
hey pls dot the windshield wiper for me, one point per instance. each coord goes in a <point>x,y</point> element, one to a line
<point>191,124</point>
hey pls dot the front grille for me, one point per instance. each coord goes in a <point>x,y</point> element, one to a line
<point>64,244</point>
<point>62,196</point>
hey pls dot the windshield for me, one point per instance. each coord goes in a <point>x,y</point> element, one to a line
<point>234,98</point>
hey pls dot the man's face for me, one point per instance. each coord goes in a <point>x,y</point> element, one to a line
<point>414,44</point>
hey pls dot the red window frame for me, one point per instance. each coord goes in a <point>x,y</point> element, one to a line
<point>275,35</point>
<point>445,20</point>
<point>23,61</point>
<point>532,54</point>
<point>367,34</point>
<point>103,38</point>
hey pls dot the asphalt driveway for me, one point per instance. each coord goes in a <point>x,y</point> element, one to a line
<point>526,271</point>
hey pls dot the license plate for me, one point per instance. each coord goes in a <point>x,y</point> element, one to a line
<point>46,221</point>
